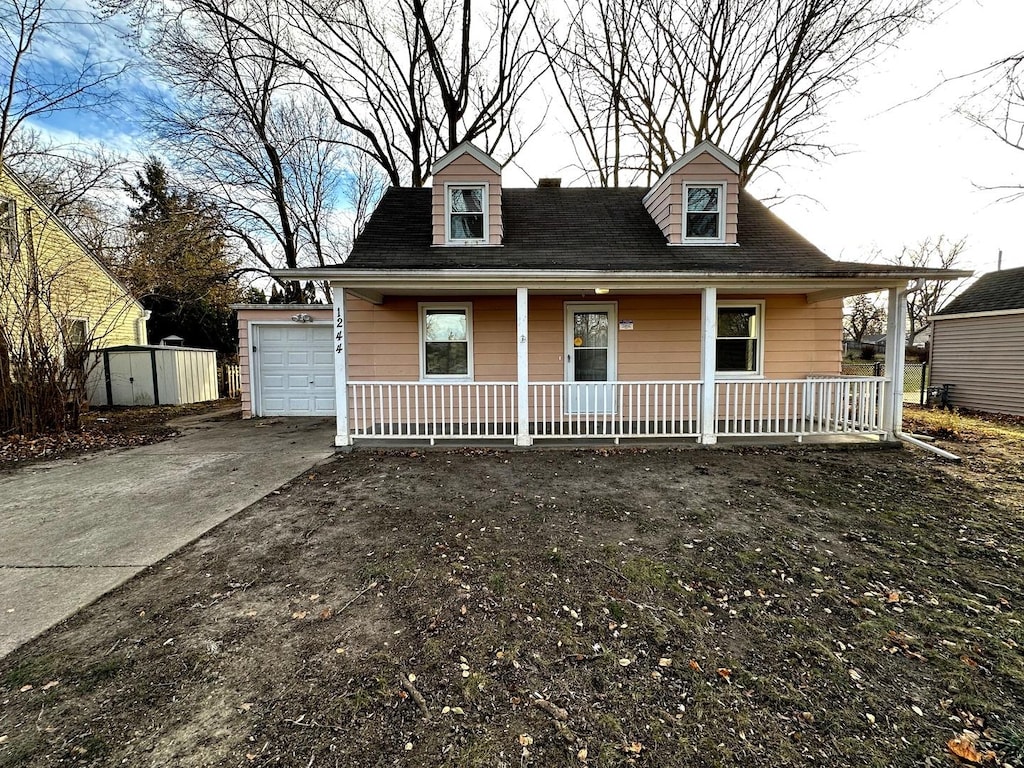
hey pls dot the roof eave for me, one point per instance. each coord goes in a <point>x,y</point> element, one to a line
<point>850,283</point>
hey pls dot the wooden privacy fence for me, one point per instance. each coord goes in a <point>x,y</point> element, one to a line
<point>230,380</point>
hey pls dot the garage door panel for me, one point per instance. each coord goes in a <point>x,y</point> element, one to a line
<point>296,370</point>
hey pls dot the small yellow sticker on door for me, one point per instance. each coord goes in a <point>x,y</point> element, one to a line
<point>578,341</point>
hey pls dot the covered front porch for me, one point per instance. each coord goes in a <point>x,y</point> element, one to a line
<point>617,410</point>
<point>608,388</point>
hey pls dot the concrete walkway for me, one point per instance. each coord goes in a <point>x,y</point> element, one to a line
<point>74,529</point>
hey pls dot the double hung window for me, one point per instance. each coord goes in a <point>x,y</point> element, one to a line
<point>738,347</point>
<point>8,230</point>
<point>704,213</point>
<point>466,213</point>
<point>447,338</point>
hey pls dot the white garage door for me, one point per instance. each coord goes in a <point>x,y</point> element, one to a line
<point>296,370</point>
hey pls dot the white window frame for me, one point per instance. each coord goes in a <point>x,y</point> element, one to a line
<point>9,229</point>
<point>448,188</point>
<point>424,306</point>
<point>758,305</point>
<point>86,324</point>
<point>722,187</point>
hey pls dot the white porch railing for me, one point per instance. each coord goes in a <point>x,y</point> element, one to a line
<point>401,409</point>
<point>614,410</point>
<point>811,406</point>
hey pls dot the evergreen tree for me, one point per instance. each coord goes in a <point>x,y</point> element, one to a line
<point>179,265</point>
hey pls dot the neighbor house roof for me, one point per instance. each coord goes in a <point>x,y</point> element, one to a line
<point>995,292</point>
<point>604,229</point>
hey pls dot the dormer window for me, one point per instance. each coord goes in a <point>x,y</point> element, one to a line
<point>704,219</point>
<point>466,215</point>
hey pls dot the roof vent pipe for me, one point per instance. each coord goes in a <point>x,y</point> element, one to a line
<point>541,183</point>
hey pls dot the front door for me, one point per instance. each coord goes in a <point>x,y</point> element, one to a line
<point>590,352</point>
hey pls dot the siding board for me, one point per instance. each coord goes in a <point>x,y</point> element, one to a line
<point>666,204</point>
<point>983,359</point>
<point>466,169</point>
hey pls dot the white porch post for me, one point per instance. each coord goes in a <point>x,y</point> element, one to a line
<point>895,357</point>
<point>342,436</point>
<point>708,363</point>
<point>523,367</point>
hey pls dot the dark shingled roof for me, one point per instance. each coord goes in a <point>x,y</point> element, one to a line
<point>991,293</point>
<point>586,229</point>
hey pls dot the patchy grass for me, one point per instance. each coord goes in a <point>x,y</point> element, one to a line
<point>755,607</point>
<point>963,426</point>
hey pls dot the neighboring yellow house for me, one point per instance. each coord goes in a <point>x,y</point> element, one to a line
<point>54,294</point>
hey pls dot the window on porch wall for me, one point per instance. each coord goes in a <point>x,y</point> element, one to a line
<point>447,337</point>
<point>739,335</point>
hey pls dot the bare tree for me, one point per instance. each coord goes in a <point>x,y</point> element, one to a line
<point>246,132</point>
<point>645,80</point>
<point>79,183</point>
<point>940,253</point>
<point>405,81</point>
<point>997,105</point>
<point>863,316</point>
<point>30,86</point>
<point>53,313</point>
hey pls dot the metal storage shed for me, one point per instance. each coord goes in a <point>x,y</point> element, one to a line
<point>152,375</point>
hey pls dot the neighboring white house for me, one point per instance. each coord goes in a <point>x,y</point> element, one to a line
<point>978,345</point>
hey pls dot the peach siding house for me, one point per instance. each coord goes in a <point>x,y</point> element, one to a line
<point>688,311</point>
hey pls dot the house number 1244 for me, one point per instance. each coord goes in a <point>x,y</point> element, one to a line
<point>340,335</point>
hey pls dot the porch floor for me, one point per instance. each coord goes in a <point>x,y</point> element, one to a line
<point>851,441</point>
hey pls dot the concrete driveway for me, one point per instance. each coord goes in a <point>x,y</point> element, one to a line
<point>75,529</point>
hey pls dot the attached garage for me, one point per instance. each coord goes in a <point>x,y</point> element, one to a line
<point>286,355</point>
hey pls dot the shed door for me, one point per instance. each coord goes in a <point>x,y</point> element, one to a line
<point>131,378</point>
<point>295,370</point>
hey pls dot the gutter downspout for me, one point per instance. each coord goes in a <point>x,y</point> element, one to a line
<point>896,403</point>
<point>926,446</point>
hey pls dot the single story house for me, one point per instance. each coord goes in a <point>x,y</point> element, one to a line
<point>978,344</point>
<point>688,310</point>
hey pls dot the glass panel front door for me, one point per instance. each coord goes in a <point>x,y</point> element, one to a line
<point>590,358</point>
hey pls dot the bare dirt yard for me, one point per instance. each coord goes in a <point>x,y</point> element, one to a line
<point>103,429</point>
<point>660,607</point>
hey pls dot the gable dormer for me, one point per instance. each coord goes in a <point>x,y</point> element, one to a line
<point>466,198</point>
<point>696,201</point>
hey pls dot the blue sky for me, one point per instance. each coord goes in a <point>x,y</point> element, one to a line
<point>910,167</point>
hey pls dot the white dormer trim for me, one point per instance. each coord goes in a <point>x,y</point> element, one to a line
<point>485,189</point>
<point>722,185</point>
<point>705,146</point>
<point>466,148</point>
